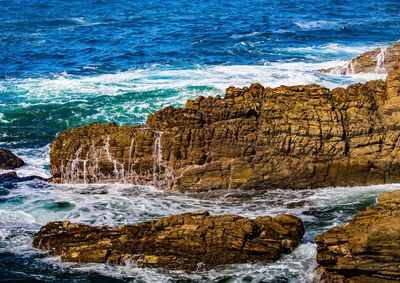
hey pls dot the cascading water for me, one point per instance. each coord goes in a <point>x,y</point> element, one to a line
<point>157,154</point>
<point>88,170</point>
<point>380,61</point>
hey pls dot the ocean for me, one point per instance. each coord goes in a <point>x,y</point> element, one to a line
<point>68,63</point>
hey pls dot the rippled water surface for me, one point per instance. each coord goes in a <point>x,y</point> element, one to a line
<point>68,63</point>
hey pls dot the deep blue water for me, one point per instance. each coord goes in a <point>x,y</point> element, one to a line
<point>69,63</point>
<point>43,37</point>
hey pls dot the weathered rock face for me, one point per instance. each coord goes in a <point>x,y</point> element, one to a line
<point>365,250</point>
<point>186,241</point>
<point>256,137</point>
<point>376,61</point>
<point>8,160</point>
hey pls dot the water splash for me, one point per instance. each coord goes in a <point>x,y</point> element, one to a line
<point>132,151</point>
<point>380,61</point>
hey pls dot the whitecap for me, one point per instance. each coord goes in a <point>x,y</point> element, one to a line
<point>321,24</point>
<point>329,48</point>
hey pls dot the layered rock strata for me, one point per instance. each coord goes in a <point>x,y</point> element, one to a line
<point>253,138</point>
<point>365,250</point>
<point>188,241</point>
<point>379,60</point>
<point>8,160</point>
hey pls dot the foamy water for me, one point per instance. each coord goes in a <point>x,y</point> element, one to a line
<point>30,205</point>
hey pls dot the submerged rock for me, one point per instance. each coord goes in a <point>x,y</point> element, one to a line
<point>254,138</point>
<point>8,160</point>
<point>378,60</point>
<point>187,241</point>
<point>12,177</point>
<point>365,250</point>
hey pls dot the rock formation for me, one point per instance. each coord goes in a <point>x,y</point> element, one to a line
<point>365,250</point>
<point>188,241</point>
<point>8,160</point>
<point>379,60</point>
<point>254,137</point>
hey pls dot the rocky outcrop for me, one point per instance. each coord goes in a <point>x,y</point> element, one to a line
<point>188,241</point>
<point>379,60</point>
<point>365,250</point>
<point>253,138</point>
<point>8,160</point>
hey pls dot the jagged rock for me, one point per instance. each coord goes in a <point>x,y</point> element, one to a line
<point>187,241</point>
<point>365,250</point>
<point>379,60</point>
<point>254,138</point>
<point>8,160</point>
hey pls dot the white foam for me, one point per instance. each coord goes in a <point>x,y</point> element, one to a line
<point>36,160</point>
<point>4,233</point>
<point>321,24</point>
<point>330,48</point>
<point>3,119</point>
<point>219,77</point>
<point>8,217</point>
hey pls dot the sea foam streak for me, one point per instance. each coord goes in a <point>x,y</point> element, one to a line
<point>220,77</point>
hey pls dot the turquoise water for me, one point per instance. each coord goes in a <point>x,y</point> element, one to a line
<point>69,63</point>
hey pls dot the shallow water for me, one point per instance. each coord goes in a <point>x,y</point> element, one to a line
<point>69,63</point>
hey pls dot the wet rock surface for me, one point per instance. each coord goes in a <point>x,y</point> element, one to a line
<point>365,250</point>
<point>8,160</point>
<point>189,241</point>
<point>379,60</point>
<point>253,138</point>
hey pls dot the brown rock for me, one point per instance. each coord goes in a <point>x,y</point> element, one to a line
<point>365,250</point>
<point>186,241</point>
<point>8,160</point>
<point>286,137</point>
<point>376,61</point>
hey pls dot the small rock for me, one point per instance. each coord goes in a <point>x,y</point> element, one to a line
<point>8,160</point>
